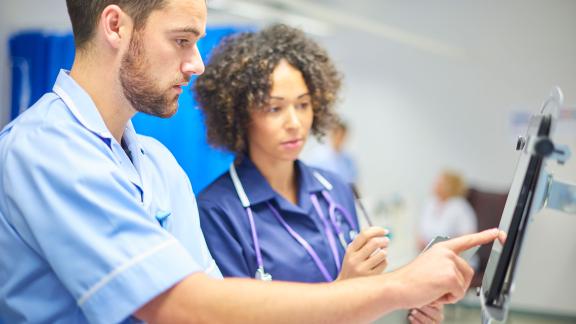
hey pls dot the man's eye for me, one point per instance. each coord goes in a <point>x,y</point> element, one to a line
<point>182,42</point>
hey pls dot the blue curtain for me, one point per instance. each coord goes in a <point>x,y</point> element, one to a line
<point>37,57</point>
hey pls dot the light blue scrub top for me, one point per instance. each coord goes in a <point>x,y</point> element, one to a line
<point>227,228</point>
<point>86,234</point>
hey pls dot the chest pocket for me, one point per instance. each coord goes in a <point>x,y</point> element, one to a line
<point>163,218</point>
<point>155,194</point>
<point>158,205</point>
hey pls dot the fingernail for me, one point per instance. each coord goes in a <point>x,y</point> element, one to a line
<point>411,318</point>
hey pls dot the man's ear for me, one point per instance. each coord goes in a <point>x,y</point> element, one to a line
<point>115,26</point>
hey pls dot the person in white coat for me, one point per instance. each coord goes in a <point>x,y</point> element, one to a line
<point>447,213</point>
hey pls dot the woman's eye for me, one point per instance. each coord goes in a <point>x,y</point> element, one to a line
<point>304,105</point>
<point>273,109</point>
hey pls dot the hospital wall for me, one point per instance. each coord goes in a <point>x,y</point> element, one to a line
<point>413,112</point>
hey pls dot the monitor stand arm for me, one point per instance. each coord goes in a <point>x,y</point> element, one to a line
<point>561,196</point>
<point>558,195</point>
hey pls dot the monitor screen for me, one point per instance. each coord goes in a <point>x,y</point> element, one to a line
<point>524,198</point>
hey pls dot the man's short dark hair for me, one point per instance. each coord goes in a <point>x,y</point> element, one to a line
<point>84,15</point>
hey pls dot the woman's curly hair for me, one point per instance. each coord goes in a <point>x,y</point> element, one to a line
<point>237,81</point>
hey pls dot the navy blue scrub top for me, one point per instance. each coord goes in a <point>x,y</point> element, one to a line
<point>227,230</point>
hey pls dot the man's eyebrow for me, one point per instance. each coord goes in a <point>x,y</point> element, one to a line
<point>191,30</point>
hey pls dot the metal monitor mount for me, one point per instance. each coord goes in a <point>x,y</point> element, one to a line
<point>554,194</point>
<point>557,195</point>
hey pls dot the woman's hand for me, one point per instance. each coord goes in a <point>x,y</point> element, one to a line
<point>429,314</point>
<point>366,255</point>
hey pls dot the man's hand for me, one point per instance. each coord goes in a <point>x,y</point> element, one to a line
<point>439,274</point>
<point>366,255</point>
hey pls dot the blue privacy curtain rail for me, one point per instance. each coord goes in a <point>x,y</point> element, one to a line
<point>37,56</point>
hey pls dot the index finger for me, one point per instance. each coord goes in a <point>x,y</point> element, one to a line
<point>366,235</point>
<point>465,242</point>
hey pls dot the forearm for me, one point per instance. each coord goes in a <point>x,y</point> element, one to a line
<point>354,301</point>
<point>200,299</point>
<point>437,275</point>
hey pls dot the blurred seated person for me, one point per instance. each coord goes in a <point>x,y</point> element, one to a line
<point>447,213</point>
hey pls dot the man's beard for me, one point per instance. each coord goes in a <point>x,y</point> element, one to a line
<point>138,86</point>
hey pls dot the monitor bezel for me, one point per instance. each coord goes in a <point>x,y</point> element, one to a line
<point>496,286</point>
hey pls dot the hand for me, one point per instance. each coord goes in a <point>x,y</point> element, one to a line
<point>439,274</point>
<point>422,244</point>
<point>502,237</point>
<point>366,255</point>
<point>432,313</point>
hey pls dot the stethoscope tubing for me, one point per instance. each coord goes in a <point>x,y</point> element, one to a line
<point>331,226</point>
<point>304,244</point>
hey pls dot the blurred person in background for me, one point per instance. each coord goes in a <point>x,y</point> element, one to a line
<point>447,213</point>
<point>333,157</point>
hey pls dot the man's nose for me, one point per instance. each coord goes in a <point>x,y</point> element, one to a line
<point>193,64</point>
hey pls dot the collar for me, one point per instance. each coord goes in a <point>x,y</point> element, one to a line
<point>307,179</point>
<point>84,110</point>
<point>131,139</point>
<point>259,190</point>
<point>80,104</point>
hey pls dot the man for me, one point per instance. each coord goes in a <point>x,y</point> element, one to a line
<point>100,225</point>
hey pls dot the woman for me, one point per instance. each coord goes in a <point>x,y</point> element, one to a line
<point>448,213</point>
<point>272,216</point>
<point>262,94</point>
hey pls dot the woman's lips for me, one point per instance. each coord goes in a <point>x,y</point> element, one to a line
<point>293,144</point>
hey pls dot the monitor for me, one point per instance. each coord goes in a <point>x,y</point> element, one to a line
<point>525,197</point>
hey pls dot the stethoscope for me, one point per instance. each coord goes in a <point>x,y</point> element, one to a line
<point>331,226</point>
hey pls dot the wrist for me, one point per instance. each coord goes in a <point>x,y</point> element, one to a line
<point>397,291</point>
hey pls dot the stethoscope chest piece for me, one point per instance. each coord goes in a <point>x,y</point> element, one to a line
<point>352,234</point>
<point>262,275</point>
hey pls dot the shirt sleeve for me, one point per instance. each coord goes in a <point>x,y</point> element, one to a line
<point>223,241</point>
<point>69,201</point>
